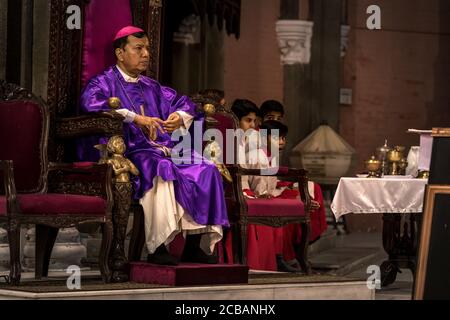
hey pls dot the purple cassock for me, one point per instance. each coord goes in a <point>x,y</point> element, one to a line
<point>198,187</point>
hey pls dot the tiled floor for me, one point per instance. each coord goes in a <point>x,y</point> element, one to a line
<point>401,289</point>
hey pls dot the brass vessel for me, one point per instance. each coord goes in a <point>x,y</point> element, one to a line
<point>424,174</point>
<point>394,157</point>
<point>373,166</point>
<point>382,155</point>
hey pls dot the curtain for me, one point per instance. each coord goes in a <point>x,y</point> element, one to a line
<point>102,21</point>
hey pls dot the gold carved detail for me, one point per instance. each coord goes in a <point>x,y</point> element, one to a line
<point>122,166</point>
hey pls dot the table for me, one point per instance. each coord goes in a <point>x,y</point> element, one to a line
<point>397,198</point>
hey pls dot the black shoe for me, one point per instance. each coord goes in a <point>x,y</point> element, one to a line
<point>162,256</point>
<point>282,265</point>
<point>193,253</point>
<point>199,256</point>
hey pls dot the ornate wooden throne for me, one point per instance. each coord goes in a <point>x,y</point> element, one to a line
<point>64,87</point>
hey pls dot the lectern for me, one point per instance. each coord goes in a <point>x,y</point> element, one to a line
<point>432,279</point>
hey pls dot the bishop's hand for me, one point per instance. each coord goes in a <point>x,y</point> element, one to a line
<point>173,122</point>
<point>151,125</point>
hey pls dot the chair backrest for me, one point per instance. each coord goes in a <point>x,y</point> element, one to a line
<point>24,129</point>
<point>225,120</point>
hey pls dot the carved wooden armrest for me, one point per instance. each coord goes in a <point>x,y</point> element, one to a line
<point>81,178</point>
<point>105,123</point>
<point>6,166</point>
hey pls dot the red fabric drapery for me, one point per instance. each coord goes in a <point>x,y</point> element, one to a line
<point>102,20</point>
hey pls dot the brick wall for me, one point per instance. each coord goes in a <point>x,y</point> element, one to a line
<point>252,63</point>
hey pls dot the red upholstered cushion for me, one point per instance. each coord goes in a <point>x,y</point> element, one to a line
<point>23,121</point>
<point>58,204</point>
<point>85,164</point>
<point>275,207</point>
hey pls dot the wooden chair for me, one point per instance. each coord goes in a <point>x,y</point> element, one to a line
<point>64,86</point>
<point>65,75</point>
<point>270,212</point>
<point>49,195</point>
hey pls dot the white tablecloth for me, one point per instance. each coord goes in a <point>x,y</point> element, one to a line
<point>383,195</point>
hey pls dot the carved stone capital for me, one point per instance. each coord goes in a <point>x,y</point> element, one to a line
<point>189,30</point>
<point>344,39</point>
<point>294,41</point>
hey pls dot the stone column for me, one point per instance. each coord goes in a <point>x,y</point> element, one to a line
<point>294,39</point>
<point>326,63</point>
<point>311,69</point>
<point>197,46</point>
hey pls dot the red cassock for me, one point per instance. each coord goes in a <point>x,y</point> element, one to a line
<point>264,242</point>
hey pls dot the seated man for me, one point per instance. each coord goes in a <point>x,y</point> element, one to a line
<point>176,197</point>
<point>272,110</point>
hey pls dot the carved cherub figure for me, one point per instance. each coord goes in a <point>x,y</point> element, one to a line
<point>122,166</point>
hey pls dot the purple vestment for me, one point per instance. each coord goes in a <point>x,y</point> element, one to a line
<point>198,187</point>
